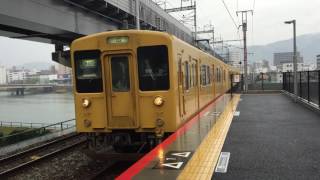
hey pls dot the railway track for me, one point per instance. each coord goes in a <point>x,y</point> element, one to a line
<point>22,160</point>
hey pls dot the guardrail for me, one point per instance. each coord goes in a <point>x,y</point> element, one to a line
<point>35,132</point>
<point>308,85</point>
<point>32,125</point>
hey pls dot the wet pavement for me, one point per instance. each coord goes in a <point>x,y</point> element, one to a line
<point>273,138</point>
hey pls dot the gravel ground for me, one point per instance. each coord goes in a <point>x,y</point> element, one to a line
<point>72,165</point>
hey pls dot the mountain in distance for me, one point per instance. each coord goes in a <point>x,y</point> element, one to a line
<point>308,45</point>
<point>36,65</point>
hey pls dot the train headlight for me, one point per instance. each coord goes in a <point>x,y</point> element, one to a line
<point>86,103</point>
<point>158,101</point>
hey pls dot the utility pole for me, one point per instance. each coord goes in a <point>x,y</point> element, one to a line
<point>138,14</point>
<point>245,55</point>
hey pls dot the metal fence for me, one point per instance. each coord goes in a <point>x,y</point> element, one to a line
<point>29,133</point>
<point>265,81</point>
<point>308,85</point>
<point>59,125</point>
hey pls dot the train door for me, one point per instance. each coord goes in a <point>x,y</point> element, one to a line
<point>181,87</point>
<point>120,90</point>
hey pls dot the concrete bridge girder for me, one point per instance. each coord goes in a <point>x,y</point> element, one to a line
<point>49,19</point>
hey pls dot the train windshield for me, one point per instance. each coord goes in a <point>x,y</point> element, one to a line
<point>153,68</point>
<point>88,71</point>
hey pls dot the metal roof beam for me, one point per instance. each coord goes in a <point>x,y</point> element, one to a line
<point>185,8</point>
<point>205,31</point>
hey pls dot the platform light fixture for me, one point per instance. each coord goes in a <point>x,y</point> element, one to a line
<point>295,80</point>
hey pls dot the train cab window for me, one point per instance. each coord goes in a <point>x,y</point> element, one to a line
<point>153,68</point>
<point>120,74</point>
<point>88,71</point>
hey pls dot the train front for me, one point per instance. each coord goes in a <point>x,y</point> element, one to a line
<point>123,93</point>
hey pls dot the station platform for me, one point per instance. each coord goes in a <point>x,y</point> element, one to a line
<point>193,150</point>
<point>273,138</point>
<point>255,136</point>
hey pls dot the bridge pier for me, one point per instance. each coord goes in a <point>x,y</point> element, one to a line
<point>20,91</point>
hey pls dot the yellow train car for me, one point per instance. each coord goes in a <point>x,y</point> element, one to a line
<point>139,86</point>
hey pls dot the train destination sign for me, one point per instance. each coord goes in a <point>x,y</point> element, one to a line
<point>174,160</point>
<point>118,40</point>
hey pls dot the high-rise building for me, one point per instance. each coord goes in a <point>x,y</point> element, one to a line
<point>17,76</point>
<point>3,75</point>
<point>318,62</point>
<point>285,57</point>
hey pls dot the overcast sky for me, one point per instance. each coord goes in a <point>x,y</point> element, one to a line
<point>266,25</point>
<point>267,21</point>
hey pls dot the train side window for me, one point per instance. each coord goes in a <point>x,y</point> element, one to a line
<point>153,68</point>
<point>203,75</point>
<point>213,74</point>
<point>187,76</point>
<point>193,75</point>
<point>218,75</point>
<point>180,78</point>
<point>88,73</point>
<point>208,75</point>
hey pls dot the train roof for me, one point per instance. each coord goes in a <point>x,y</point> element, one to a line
<point>157,33</point>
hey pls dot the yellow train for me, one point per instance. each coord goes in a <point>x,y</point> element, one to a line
<point>139,86</point>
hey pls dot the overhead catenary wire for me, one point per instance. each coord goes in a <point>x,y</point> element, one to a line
<point>226,7</point>
<point>254,5</point>
<point>252,20</point>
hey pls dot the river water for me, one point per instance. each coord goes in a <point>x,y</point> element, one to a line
<point>36,108</point>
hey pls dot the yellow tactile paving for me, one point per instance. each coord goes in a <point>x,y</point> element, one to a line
<point>203,162</point>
